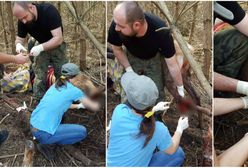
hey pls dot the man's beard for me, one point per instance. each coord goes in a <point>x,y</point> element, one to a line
<point>33,19</point>
<point>132,34</point>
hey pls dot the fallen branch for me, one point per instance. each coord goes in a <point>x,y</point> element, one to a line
<point>4,118</point>
<point>28,154</point>
<point>77,154</point>
<point>71,158</point>
<point>7,156</point>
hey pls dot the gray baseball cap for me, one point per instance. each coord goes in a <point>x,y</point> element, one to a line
<point>141,91</point>
<point>70,69</point>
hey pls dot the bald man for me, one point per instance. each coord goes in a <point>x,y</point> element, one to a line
<point>145,48</point>
<point>43,22</point>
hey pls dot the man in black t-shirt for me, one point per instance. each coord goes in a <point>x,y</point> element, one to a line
<point>43,22</point>
<point>145,46</point>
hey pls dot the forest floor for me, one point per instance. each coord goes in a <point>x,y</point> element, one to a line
<point>92,147</point>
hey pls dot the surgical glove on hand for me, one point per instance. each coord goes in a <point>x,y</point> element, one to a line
<point>80,106</point>
<point>129,69</point>
<point>20,48</point>
<point>161,106</point>
<point>183,123</point>
<point>35,51</point>
<point>180,90</point>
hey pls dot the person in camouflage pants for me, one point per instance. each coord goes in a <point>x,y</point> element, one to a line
<point>55,57</point>
<point>43,22</point>
<point>230,52</point>
<point>151,68</point>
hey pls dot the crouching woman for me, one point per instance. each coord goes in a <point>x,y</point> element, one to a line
<point>46,119</point>
<point>134,133</point>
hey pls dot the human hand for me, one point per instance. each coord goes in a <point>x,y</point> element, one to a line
<point>20,48</point>
<point>95,106</point>
<point>180,90</point>
<point>80,106</point>
<point>35,51</point>
<point>161,106</point>
<point>183,124</point>
<point>20,58</point>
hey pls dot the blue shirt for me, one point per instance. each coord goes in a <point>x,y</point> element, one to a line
<point>48,114</point>
<point>125,147</point>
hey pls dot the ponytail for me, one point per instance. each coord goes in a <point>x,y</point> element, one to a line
<point>147,125</point>
<point>61,82</point>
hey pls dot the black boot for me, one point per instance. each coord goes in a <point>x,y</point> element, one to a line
<point>3,136</point>
<point>49,151</point>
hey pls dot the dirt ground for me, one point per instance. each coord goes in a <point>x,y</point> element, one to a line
<point>93,147</point>
<point>191,141</point>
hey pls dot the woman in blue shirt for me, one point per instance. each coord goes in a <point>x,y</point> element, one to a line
<point>46,119</point>
<point>134,133</point>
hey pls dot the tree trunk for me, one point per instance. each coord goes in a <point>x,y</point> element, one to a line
<point>178,36</point>
<point>82,56</point>
<point>11,26</point>
<point>4,29</point>
<point>192,28</point>
<point>86,30</point>
<point>176,12</point>
<point>207,38</point>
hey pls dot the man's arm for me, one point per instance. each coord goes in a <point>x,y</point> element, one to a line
<point>235,155</point>
<point>242,25</point>
<point>121,56</point>
<point>18,59</point>
<point>19,40</point>
<point>55,41</point>
<point>174,70</point>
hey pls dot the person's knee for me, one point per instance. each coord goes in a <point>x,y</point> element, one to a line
<point>82,132</point>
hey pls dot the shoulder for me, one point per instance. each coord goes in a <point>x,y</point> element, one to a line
<point>73,88</point>
<point>121,107</point>
<point>47,9</point>
<point>154,20</point>
<point>161,127</point>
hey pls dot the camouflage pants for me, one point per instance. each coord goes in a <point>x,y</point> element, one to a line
<point>55,57</point>
<point>151,68</point>
<point>230,52</point>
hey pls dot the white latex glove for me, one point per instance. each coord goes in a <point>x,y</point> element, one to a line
<point>183,123</point>
<point>80,106</point>
<point>20,48</point>
<point>129,69</point>
<point>22,107</point>
<point>109,126</point>
<point>180,90</point>
<point>161,106</point>
<point>35,51</point>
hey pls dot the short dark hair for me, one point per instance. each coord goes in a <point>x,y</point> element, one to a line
<point>23,4</point>
<point>133,12</point>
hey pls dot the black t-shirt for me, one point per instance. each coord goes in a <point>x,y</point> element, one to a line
<point>48,19</point>
<point>235,8</point>
<point>147,46</point>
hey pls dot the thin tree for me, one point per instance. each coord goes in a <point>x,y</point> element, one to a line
<point>11,25</point>
<point>4,27</point>
<point>207,38</point>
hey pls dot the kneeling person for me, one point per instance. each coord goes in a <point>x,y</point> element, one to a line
<point>46,119</point>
